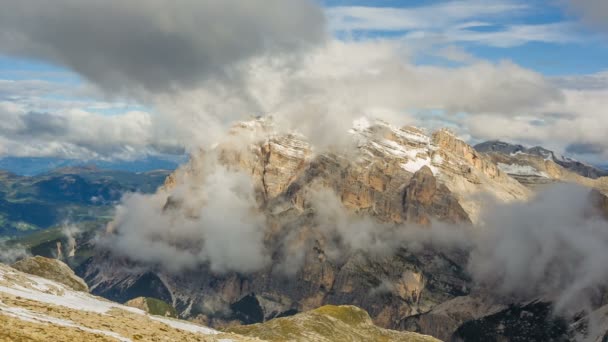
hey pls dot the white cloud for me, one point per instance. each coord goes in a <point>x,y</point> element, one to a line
<point>578,118</point>
<point>76,134</point>
<point>213,220</point>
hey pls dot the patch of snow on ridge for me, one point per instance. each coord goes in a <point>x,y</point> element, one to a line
<point>521,170</point>
<point>414,165</point>
<point>49,292</point>
<point>361,124</point>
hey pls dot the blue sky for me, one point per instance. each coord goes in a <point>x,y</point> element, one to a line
<point>555,43</point>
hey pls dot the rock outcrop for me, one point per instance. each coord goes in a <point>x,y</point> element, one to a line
<point>52,269</point>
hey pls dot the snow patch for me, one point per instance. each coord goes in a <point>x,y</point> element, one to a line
<point>185,326</point>
<point>43,291</point>
<point>414,165</point>
<point>521,170</point>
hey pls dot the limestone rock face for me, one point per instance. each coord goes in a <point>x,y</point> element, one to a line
<point>424,199</point>
<point>328,323</point>
<point>52,269</point>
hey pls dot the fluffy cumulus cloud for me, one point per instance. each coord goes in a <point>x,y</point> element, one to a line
<point>578,119</point>
<point>337,82</point>
<point>155,45</point>
<point>77,134</point>
<point>209,217</point>
<point>553,246</point>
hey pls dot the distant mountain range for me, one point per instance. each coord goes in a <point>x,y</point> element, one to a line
<point>583,169</point>
<point>32,166</point>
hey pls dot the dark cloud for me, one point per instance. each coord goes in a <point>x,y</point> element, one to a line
<point>593,12</point>
<point>42,124</point>
<point>154,44</point>
<point>584,148</point>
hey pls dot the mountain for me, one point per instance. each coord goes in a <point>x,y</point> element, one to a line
<point>350,248</point>
<point>395,175</point>
<point>74,194</point>
<point>33,166</point>
<point>503,148</point>
<point>36,308</point>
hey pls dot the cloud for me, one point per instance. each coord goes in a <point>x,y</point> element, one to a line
<point>155,45</point>
<point>208,218</point>
<point>578,119</point>
<point>336,83</point>
<point>592,12</point>
<point>317,91</point>
<point>78,134</point>
<point>12,253</point>
<point>582,148</point>
<point>552,246</point>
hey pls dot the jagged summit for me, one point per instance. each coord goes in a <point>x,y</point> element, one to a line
<point>405,150</point>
